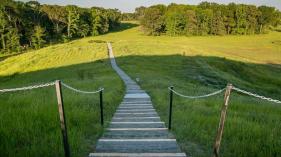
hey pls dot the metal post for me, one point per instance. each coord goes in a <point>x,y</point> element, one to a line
<point>62,119</point>
<point>171,107</point>
<point>101,106</point>
<point>222,120</point>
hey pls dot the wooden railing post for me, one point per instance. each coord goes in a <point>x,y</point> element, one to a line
<point>101,106</point>
<point>222,120</point>
<point>62,119</point>
<point>171,107</point>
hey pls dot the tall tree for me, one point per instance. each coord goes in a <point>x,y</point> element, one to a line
<point>114,17</point>
<point>204,20</point>
<point>38,37</point>
<point>3,26</point>
<point>100,22</point>
<point>191,22</point>
<point>57,15</point>
<point>241,21</point>
<point>13,43</point>
<point>229,18</point>
<point>139,12</point>
<point>266,17</point>
<point>153,21</point>
<point>175,23</point>
<point>72,20</point>
<point>252,15</point>
<point>217,27</point>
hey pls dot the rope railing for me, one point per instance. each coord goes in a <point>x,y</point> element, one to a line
<point>196,97</point>
<point>58,85</point>
<point>81,91</point>
<point>256,95</point>
<point>221,90</point>
<point>227,90</point>
<point>47,85</point>
<point>27,87</point>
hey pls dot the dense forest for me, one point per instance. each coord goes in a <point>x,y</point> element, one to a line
<point>206,19</point>
<point>32,25</point>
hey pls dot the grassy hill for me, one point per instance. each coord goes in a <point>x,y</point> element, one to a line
<point>29,124</point>
<point>194,65</point>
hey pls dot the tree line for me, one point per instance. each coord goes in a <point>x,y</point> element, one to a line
<point>206,19</point>
<point>32,25</point>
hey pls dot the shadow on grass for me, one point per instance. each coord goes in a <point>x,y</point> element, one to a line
<point>214,72</point>
<point>124,26</point>
<point>29,119</point>
<point>156,74</point>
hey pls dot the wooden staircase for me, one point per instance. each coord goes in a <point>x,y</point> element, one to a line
<point>136,129</point>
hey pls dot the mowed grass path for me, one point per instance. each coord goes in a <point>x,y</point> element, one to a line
<point>194,65</point>
<point>29,123</point>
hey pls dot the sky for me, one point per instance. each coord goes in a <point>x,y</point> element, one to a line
<point>130,5</point>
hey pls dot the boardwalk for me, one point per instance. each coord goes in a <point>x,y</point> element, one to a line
<point>136,129</point>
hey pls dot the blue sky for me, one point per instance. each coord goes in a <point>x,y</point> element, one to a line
<point>130,5</point>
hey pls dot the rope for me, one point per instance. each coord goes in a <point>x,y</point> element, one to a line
<point>80,91</point>
<point>27,88</point>
<point>196,97</point>
<point>256,95</point>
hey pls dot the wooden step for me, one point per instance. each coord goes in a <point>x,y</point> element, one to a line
<point>137,146</point>
<point>136,102</point>
<point>154,114</point>
<point>117,134</point>
<point>140,129</point>
<point>137,125</point>
<point>135,111</point>
<point>136,119</point>
<point>137,155</point>
<point>136,107</point>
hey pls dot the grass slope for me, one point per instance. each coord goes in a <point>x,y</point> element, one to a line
<point>29,123</point>
<point>194,65</point>
<point>264,48</point>
<point>198,65</point>
<point>252,126</point>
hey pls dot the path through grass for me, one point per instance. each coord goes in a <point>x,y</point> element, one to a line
<point>194,65</point>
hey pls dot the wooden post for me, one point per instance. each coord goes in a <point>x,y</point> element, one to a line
<point>101,106</point>
<point>171,107</point>
<point>222,120</point>
<point>62,119</point>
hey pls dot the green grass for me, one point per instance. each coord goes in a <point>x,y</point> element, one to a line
<point>198,65</point>
<point>194,65</point>
<point>29,124</point>
<point>264,48</point>
<point>252,126</point>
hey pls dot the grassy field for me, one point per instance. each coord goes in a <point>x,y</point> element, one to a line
<point>29,124</point>
<point>194,65</point>
<point>263,49</point>
<point>198,65</point>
